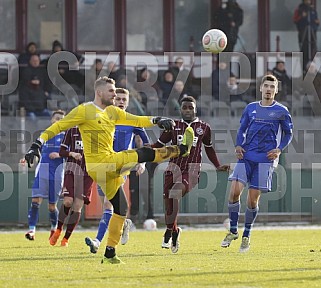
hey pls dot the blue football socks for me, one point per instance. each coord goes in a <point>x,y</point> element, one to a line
<point>103,224</point>
<point>33,215</point>
<point>234,214</point>
<point>250,216</point>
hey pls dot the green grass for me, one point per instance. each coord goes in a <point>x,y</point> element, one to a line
<point>284,258</point>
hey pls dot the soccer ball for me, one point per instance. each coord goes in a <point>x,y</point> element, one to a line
<point>214,41</point>
<point>150,225</point>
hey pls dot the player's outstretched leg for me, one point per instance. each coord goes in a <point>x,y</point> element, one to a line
<point>182,150</point>
<point>146,154</point>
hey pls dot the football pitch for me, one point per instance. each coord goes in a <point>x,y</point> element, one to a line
<point>277,258</point>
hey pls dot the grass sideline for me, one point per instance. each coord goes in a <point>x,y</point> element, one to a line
<point>277,258</point>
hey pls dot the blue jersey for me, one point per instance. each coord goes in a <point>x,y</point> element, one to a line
<point>262,129</point>
<point>51,168</point>
<point>124,137</point>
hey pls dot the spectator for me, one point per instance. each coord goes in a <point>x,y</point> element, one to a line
<point>181,73</point>
<point>56,47</point>
<point>147,86</point>
<point>113,72</point>
<point>90,77</point>
<point>229,20</point>
<point>24,58</point>
<point>75,77</point>
<point>34,89</point>
<point>179,90</point>
<point>286,84</point>
<point>166,85</point>
<point>306,19</point>
<point>175,97</point>
<point>233,89</point>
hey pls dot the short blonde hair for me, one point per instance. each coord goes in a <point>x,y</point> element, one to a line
<point>122,91</point>
<point>102,81</point>
<point>58,112</point>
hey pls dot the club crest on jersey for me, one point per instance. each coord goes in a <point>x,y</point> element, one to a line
<point>79,145</point>
<point>199,131</point>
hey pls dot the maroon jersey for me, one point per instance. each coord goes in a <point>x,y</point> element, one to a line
<point>73,143</point>
<point>192,163</point>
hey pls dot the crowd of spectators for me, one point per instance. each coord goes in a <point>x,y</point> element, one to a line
<point>152,92</point>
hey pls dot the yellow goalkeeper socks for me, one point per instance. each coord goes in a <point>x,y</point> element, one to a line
<point>115,228</point>
<point>164,153</point>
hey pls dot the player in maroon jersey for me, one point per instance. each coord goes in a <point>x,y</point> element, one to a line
<point>182,174</point>
<point>77,185</point>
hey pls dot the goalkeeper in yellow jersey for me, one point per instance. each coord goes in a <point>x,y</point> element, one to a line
<point>96,121</point>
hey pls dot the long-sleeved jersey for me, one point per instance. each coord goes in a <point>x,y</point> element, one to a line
<point>192,163</point>
<point>264,128</point>
<point>97,128</point>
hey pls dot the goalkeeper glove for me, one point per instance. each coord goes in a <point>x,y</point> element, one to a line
<point>164,123</point>
<point>33,151</point>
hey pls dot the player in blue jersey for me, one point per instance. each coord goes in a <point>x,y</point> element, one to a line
<point>124,139</point>
<point>48,181</point>
<point>265,130</point>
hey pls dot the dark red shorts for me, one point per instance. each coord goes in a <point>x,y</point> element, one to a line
<point>77,187</point>
<point>188,180</point>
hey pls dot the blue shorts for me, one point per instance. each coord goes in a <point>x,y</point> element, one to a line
<point>45,188</point>
<point>257,175</point>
